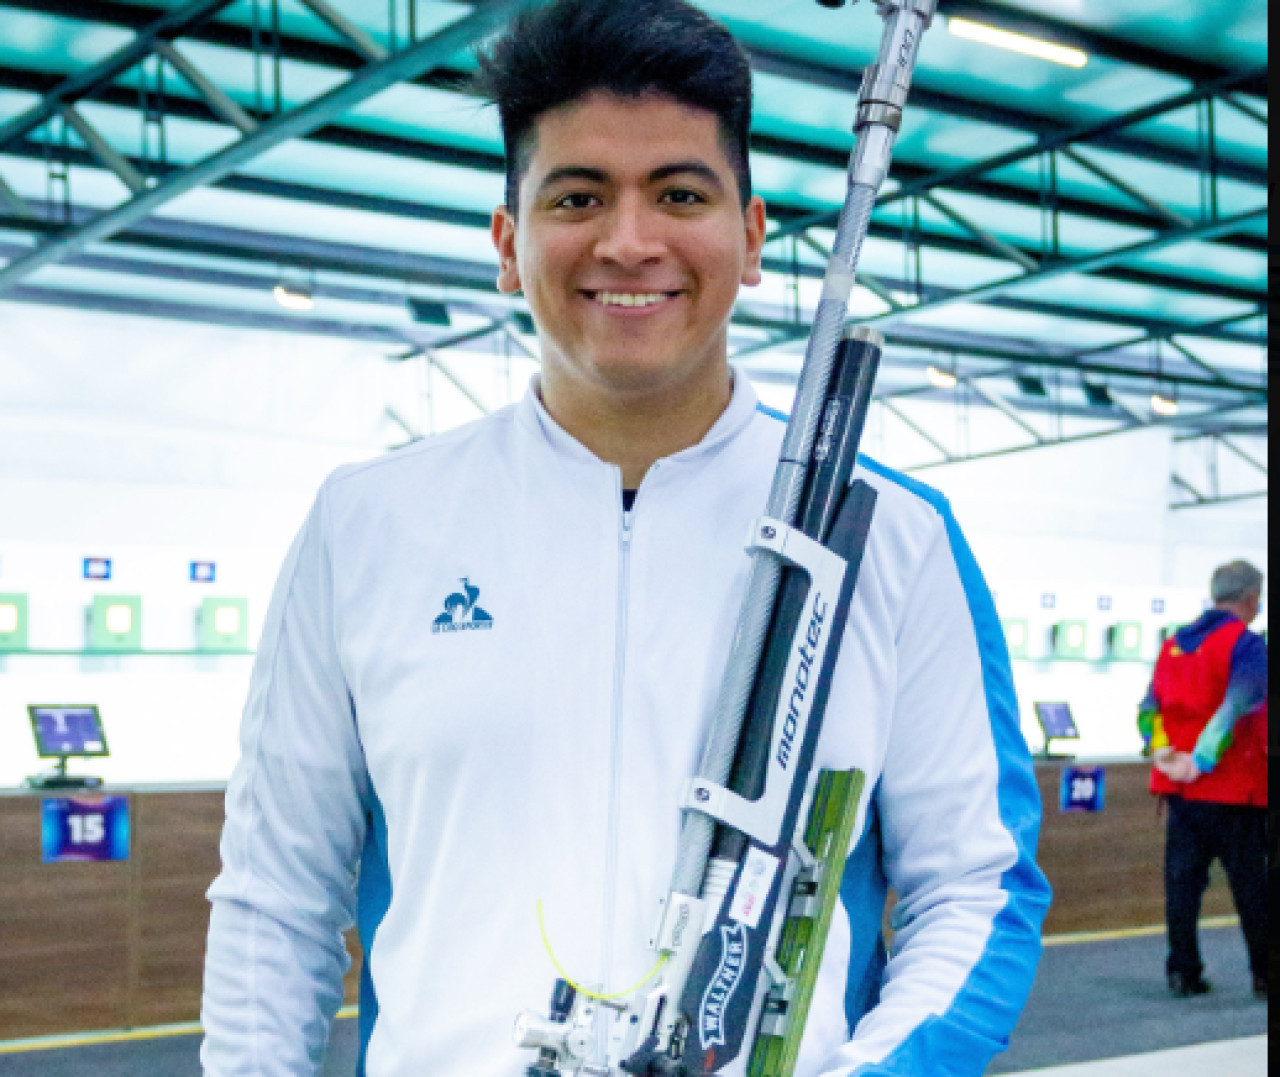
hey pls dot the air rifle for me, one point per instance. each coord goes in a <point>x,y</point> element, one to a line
<point>742,929</point>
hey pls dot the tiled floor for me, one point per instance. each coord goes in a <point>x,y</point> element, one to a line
<point>1116,991</point>
<point>1232,1058</point>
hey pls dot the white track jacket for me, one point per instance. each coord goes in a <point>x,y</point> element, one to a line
<point>481,687</point>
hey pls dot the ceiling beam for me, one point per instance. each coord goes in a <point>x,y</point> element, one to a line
<point>363,84</point>
<point>1226,499</point>
<point>1145,277</point>
<point>307,50</point>
<point>20,79</point>
<point>1028,355</point>
<point>1067,136</point>
<point>1088,264</point>
<point>347,263</point>
<point>1076,439</point>
<point>161,26</point>
<point>1002,114</point>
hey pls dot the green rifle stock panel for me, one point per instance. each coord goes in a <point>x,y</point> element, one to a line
<point>827,835</point>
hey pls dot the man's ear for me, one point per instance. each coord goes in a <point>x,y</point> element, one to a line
<point>757,224</point>
<point>503,229</point>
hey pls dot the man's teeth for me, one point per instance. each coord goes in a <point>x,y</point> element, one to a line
<point>624,299</point>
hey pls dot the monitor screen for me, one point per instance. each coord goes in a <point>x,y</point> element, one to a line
<point>1056,721</point>
<point>67,730</point>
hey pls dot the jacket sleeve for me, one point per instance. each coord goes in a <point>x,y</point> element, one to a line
<point>1246,692</point>
<point>960,815</point>
<point>1151,723</point>
<point>294,830</point>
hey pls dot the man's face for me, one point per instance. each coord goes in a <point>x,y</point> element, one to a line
<point>630,244</point>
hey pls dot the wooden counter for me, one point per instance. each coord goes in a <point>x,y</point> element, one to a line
<point>1107,870</point>
<point>121,945</point>
<point>110,945</point>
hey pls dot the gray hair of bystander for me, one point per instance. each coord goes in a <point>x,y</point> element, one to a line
<point>1235,580</point>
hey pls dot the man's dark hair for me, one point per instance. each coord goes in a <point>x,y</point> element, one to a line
<point>558,54</point>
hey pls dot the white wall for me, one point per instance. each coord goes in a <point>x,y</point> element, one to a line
<point>157,444</point>
<point>1088,522</point>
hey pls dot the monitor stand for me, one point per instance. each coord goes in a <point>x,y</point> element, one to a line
<point>58,778</point>
<point>1045,754</point>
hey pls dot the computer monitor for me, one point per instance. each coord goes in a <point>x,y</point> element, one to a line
<point>1057,723</point>
<point>62,732</point>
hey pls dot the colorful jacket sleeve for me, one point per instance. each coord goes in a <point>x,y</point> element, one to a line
<point>959,813</point>
<point>294,830</point>
<point>1246,692</point>
<point>1151,724</point>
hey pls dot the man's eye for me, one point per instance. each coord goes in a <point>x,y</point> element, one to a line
<point>577,200</point>
<point>683,197</point>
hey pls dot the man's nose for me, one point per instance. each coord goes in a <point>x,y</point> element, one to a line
<point>631,235</point>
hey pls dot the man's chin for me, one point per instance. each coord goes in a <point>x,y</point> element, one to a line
<point>640,379</point>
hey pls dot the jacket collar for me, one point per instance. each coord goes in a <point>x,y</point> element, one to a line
<point>533,417</point>
<point>1191,637</point>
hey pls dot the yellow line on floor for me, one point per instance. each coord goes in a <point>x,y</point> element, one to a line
<point>90,1039</point>
<point>1131,932</point>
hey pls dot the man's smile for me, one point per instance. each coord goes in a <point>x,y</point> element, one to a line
<point>632,302</point>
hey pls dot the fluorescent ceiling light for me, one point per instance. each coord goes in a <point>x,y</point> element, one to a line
<point>293,297</point>
<point>942,379</point>
<point>8,618</point>
<point>1007,39</point>
<point>1163,405</point>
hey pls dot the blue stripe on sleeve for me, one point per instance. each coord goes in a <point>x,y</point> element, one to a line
<point>373,898</point>
<point>773,413</point>
<point>862,892</point>
<point>962,1041</point>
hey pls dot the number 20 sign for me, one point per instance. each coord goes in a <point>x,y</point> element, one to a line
<point>84,828</point>
<point>1083,789</point>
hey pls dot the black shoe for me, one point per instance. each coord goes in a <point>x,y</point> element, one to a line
<point>1260,988</point>
<point>1181,985</point>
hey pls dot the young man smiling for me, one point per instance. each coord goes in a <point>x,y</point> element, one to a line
<point>475,782</point>
<point>631,253</point>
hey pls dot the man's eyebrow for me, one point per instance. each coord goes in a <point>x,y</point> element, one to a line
<point>696,168</point>
<point>572,172</point>
<point>598,175</point>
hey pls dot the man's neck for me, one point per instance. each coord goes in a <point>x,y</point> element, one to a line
<point>1243,611</point>
<point>634,430</point>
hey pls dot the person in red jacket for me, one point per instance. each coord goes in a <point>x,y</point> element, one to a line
<point>1204,722</point>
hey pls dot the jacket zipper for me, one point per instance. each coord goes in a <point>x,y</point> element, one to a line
<point>615,771</point>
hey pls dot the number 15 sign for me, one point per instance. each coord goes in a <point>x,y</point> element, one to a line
<point>84,828</point>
